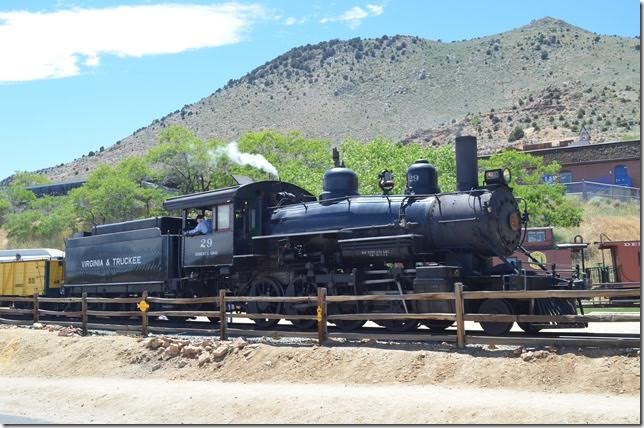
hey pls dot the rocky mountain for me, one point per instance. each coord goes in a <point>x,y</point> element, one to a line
<point>548,78</point>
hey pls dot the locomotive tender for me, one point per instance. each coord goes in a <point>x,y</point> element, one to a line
<point>273,238</point>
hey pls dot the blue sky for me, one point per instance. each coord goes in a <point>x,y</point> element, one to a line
<point>77,75</point>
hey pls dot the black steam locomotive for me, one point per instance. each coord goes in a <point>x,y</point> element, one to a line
<point>272,238</point>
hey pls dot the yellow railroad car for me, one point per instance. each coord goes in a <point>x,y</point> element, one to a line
<point>24,272</point>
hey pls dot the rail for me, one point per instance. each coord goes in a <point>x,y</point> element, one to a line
<point>589,189</point>
<point>322,316</point>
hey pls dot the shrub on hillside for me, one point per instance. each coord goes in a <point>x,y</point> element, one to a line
<point>516,134</point>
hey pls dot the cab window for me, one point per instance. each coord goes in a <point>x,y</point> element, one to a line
<point>223,217</point>
<point>536,236</point>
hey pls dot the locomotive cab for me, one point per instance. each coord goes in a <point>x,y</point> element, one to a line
<point>234,215</point>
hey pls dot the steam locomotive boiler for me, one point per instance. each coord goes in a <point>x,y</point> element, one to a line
<point>272,238</point>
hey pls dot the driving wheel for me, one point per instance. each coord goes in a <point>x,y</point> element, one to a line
<point>267,287</point>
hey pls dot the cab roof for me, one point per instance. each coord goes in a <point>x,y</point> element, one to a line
<point>228,194</point>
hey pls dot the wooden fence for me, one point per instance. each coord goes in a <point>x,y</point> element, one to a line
<point>322,316</point>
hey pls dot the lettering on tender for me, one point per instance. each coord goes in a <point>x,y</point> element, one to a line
<point>112,261</point>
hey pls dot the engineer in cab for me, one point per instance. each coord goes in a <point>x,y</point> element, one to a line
<point>203,227</point>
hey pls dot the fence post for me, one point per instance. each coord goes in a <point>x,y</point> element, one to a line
<point>144,315</point>
<point>584,196</point>
<point>36,313</point>
<point>460,324</point>
<point>223,334</point>
<point>321,316</point>
<point>84,312</point>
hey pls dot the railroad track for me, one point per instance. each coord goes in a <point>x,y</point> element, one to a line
<point>366,333</point>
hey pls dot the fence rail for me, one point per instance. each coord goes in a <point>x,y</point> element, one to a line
<point>322,300</point>
<point>589,189</point>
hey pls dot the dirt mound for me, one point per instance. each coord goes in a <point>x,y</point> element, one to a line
<point>114,379</point>
<point>49,351</point>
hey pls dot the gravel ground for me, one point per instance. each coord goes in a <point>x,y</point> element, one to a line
<point>52,374</point>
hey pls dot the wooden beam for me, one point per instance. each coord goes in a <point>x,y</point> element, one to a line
<point>275,316</point>
<point>113,300</point>
<point>17,311</point>
<point>553,318</point>
<point>184,301</point>
<point>186,314</point>
<point>267,299</point>
<point>16,299</point>
<point>144,316</point>
<point>388,297</point>
<point>84,312</point>
<point>35,308</point>
<point>321,316</point>
<point>223,321</point>
<point>58,299</point>
<point>460,324</point>
<point>61,313</point>
<point>543,294</point>
<point>110,314</point>
<point>392,316</point>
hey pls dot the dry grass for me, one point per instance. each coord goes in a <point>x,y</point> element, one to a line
<point>619,221</point>
<point>4,242</point>
<point>616,220</point>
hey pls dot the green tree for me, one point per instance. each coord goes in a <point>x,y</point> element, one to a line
<point>304,161</point>
<point>183,161</point>
<point>369,159</point>
<point>298,160</point>
<point>17,194</point>
<point>119,193</point>
<point>46,222</point>
<point>5,207</point>
<point>547,203</point>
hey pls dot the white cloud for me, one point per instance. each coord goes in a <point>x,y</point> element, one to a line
<point>375,9</point>
<point>294,21</point>
<point>354,16</point>
<point>59,44</point>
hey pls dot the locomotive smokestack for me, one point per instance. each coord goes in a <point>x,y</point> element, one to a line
<point>466,163</point>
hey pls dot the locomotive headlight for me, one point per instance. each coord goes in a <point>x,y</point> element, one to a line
<point>493,176</point>
<point>497,176</point>
<point>514,221</point>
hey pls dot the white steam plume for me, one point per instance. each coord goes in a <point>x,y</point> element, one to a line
<point>231,151</point>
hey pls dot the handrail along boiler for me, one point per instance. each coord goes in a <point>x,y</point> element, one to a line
<point>272,238</point>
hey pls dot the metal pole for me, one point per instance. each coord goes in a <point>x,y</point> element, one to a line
<point>583,190</point>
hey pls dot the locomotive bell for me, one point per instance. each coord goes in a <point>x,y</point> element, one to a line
<point>422,179</point>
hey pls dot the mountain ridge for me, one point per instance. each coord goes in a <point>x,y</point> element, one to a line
<point>548,77</point>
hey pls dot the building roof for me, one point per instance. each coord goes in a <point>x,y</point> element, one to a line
<point>579,154</point>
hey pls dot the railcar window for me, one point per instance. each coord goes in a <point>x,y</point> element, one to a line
<point>223,217</point>
<point>536,236</point>
<point>565,177</point>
